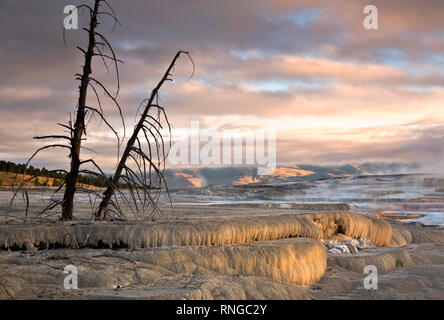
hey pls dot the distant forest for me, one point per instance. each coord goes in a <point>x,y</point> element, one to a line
<point>7,166</point>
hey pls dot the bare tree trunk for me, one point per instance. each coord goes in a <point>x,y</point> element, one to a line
<point>107,195</point>
<point>79,126</point>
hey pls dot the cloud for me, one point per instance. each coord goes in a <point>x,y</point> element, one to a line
<point>334,90</point>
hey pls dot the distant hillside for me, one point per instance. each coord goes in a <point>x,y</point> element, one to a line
<point>13,179</point>
<point>8,179</point>
<point>12,174</point>
<point>201,177</point>
<point>205,176</point>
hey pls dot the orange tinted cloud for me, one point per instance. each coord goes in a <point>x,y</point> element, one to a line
<point>334,91</point>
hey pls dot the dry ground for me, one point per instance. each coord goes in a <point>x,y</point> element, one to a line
<point>220,253</point>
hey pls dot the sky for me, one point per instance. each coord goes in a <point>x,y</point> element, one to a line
<point>334,91</point>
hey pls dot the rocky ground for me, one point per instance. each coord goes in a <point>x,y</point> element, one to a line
<point>212,253</point>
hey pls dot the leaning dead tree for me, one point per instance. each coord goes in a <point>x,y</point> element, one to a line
<point>148,162</point>
<point>76,128</point>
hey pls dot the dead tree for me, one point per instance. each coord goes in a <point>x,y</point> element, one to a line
<point>98,46</point>
<point>79,126</point>
<point>149,173</point>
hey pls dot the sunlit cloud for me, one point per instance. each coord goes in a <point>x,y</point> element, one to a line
<point>333,91</point>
